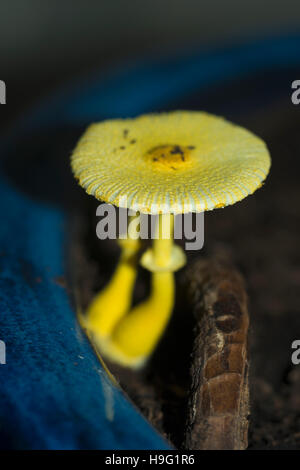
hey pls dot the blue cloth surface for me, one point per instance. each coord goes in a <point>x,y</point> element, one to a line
<point>54,393</point>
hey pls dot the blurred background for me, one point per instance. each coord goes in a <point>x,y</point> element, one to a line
<point>44,43</point>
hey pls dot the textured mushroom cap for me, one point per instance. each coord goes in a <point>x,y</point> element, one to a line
<point>170,162</point>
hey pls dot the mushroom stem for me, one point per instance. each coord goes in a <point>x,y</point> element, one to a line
<point>113,302</point>
<point>163,242</point>
<point>136,335</point>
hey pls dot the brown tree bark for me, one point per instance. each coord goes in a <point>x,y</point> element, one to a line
<point>219,397</point>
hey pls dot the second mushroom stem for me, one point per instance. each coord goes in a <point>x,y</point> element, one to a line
<point>113,302</point>
<point>136,335</point>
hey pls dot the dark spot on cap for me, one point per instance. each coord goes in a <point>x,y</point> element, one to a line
<point>125,133</point>
<point>177,149</point>
<point>133,141</point>
<point>122,147</point>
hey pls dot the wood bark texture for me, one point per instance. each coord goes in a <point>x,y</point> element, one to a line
<point>219,396</point>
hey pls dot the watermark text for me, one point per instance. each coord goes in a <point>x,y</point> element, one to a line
<point>2,352</point>
<point>2,92</point>
<point>122,224</point>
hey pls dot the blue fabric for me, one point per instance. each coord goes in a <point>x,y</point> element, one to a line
<point>54,393</point>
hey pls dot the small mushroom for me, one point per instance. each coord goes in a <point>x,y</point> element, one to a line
<point>181,162</point>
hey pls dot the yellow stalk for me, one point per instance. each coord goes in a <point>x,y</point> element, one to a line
<point>113,302</point>
<point>136,335</point>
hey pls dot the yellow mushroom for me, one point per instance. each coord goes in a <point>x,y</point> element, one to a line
<point>110,305</point>
<point>166,164</point>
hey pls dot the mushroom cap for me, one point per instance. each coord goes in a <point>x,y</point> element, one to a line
<point>175,162</point>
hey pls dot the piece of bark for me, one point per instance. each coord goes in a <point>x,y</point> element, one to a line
<point>219,397</point>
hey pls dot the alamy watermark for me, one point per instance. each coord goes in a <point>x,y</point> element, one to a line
<point>295,358</point>
<point>2,352</point>
<point>2,92</point>
<point>295,97</point>
<point>125,223</point>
